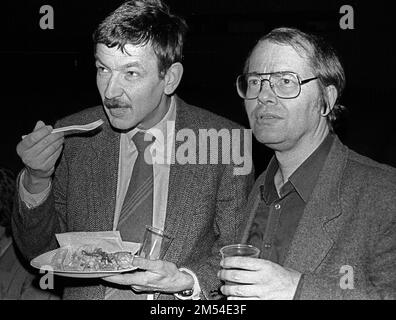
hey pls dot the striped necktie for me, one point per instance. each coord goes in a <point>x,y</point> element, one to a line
<point>137,210</point>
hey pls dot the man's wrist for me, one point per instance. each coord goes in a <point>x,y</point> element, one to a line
<point>34,184</point>
<point>188,281</point>
<point>189,288</point>
<point>187,293</point>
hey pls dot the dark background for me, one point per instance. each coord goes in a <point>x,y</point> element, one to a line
<point>47,74</point>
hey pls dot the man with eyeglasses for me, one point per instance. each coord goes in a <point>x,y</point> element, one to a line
<point>322,215</point>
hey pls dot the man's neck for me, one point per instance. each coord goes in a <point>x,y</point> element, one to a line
<point>290,160</point>
<point>160,113</point>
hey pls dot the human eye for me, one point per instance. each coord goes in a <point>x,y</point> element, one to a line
<point>132,74</point>
<point>253,81</point>
<point>287,80</point>
<point>101,69</point>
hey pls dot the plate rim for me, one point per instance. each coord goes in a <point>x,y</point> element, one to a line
<point>78,272</point>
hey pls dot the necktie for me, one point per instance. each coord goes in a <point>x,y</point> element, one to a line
<point>136,211</point>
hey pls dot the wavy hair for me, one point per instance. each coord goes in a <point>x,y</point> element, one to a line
<point>139,23</point>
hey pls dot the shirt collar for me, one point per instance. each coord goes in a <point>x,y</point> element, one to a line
<point>269,180</point>
<point>305,177</point>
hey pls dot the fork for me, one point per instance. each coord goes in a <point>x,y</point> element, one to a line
<point>83,127</point>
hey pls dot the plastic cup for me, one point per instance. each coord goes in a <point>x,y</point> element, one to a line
<point>240,250</point>
<point>155,244</point>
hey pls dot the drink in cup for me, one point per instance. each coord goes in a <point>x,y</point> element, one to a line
<point>155,244</point>
<point>239,250</point>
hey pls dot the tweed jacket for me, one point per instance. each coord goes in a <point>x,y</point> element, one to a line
<point>204,205</point>
<point>345,243</point>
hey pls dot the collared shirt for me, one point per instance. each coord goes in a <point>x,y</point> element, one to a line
<point>277,216</point>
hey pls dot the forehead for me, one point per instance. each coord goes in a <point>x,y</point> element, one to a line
<point>143,56</point>
<point>271,57</point>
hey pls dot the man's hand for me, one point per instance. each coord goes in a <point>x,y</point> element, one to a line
<point>259,279</point>
<point>157,275</point>
<point>39,152</point>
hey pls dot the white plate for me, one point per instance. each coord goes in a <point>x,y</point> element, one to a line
<point>43,262</point>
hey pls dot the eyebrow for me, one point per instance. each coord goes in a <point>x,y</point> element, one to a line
<point>100,61</point>
<point>125,66</point>
<point>133,64</point>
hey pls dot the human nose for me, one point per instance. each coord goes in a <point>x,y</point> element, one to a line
<point>113,88</point>
<point>266,93</point>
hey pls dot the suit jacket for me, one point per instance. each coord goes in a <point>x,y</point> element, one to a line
<point>203,209</point>
<point>345,243</point>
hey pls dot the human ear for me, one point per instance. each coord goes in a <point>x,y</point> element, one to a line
<point>331,95</point>
<point>172,77</point>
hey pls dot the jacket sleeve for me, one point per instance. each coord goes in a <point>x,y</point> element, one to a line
<point>34,228</point>
<point>231,200</point>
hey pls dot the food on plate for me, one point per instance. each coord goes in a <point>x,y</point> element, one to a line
<point>95,259</point>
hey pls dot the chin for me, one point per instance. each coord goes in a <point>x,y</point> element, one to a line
<point>121,124</point>
<point>268,137</point>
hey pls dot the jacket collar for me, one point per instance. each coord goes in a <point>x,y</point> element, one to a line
<point>179,176</point>
<point>104,166</point>
<point>305,178</point>
<point>319,224</point>
<point>320,221</point>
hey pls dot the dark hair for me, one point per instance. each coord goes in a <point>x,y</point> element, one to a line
<point>7,193</point>
<point>322,59</point>
<point>140,22</point>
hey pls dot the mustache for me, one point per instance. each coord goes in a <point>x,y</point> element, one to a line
<point>114,104</point>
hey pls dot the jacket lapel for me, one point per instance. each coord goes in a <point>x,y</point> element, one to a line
<point>319,223</point>
<point>179,175</point>
<point>104,169</point>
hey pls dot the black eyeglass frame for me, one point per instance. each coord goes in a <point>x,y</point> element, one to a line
<point>260,75</point>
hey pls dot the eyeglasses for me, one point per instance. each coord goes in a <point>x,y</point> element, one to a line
<point>285,84</point>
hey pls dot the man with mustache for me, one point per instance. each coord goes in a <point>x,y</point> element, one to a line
<point>105,181</point>
<point>323,216</point>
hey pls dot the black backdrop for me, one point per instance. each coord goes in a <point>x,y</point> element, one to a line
<point>47,74</point>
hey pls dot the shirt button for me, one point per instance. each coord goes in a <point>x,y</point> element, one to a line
<point>277,206</point>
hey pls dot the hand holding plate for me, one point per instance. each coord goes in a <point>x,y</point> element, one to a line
<point>155,276</point>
